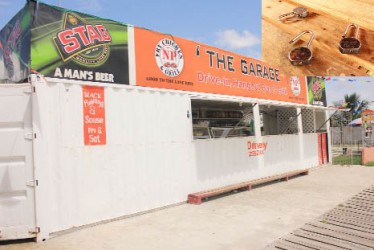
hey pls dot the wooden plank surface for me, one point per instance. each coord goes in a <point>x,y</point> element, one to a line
<point>196,198</point>
<point>340,228</point>
<point>327,59</point>
<point>352,210</point>
<point>314,244</point>
<point>345,230</point>
<point>338,233</point>
<point>356,11</point>
<point>341,242</point>
<point>283,244</point>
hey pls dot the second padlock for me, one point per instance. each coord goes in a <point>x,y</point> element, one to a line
<point>350,45</point>
<point>301,55</point>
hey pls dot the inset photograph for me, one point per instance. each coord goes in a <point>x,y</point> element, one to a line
<point>319,37</point>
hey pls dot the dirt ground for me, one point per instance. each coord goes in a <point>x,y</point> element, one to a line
<point>245,220</point>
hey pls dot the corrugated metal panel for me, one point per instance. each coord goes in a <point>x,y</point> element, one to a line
<point>145,164</point>
<point>283,154</point>
<point>17,207</point>
<point>226,161</point>
<point>222,162</point>
<point>149,159</point>
<point>310,150</point>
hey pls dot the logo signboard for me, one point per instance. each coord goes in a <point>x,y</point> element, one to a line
<point>367,117</point>
<point>71,45</point>
<point>295,85</point>
<point>77,38</point>
<point>164,61</point>
<point>169,57</point>
<point>317,91</point>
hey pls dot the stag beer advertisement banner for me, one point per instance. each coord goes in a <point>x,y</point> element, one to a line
<point>317,91</point>
<point>71,45</point>
<point>15,48</point>
<point>165,61</point>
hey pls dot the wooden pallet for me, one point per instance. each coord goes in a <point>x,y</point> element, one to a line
<point>328,20</point>
<point>197,198</point>
<point>348,226</point>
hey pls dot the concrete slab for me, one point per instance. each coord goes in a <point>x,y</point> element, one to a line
<point>246,220</point>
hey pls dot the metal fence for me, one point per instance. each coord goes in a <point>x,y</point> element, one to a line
<point>347,143</point>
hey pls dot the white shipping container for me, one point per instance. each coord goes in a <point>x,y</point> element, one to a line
<point>149,160</point>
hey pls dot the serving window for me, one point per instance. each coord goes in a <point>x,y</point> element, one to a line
<point>224,119</point>
<point>221,119</point>
<point>277,120</point>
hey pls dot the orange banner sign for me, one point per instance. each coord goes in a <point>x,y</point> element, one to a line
<point>165,61</point>
<point>94,115</point>
<point>367,116</point>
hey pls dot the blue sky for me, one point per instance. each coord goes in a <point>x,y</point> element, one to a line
<point>337,87</point>
<point>230,25</point>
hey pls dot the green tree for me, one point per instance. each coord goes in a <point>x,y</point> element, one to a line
<point>350,109</point>
<point>355,105</point>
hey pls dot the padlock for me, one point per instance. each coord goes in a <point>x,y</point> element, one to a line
<point>350,45</point>
<point>301,55</point>
<point>299,12</point>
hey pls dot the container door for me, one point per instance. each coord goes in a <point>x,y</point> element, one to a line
<point>322,148</point>
<point>17,201</point>
<point>320,156</point>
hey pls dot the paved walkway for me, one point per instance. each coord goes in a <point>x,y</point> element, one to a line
<point>246,220</point>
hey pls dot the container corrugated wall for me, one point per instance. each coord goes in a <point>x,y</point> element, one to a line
<point>149,161</point>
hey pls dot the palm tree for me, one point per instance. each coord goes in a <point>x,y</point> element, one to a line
<point>355,105</point>
<point>351,109</point>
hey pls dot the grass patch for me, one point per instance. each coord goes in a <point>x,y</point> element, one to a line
<point>370,164</point>
<point>347,160</point>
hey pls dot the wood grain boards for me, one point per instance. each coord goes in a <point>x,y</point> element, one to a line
<point>345,227</point>
<point>197,198</point>
<point>328,22</point>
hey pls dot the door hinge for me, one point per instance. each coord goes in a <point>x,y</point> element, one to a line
<point>32,183</point>
<point>30,136</point>
<point>35,230</point>
<point>30,90</point>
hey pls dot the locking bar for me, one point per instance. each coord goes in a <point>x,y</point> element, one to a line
<point>301,34</point>
<point>348,28</point>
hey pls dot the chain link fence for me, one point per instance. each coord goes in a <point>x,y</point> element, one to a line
<point>347,143</point>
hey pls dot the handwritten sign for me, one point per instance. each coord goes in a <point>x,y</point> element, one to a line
<point>94,115</point>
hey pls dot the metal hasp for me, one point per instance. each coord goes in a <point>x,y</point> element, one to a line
<point>350,45</point>
<point>301,55</point>
<point>299,12</point>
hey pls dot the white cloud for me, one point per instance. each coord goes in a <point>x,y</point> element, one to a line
<point>232,39</point>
